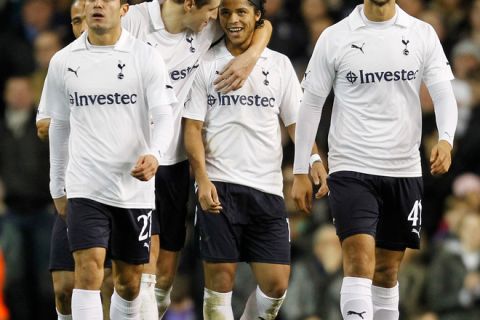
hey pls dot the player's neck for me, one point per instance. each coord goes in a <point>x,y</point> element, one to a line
<point>173,16</point>
<point>378,13</point>
<point>238,49</point>
<point>104,38</point>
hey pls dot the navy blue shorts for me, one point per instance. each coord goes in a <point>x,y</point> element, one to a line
<point>125,232</point>
<point>61,258</point>
<point>252,227</point>
<point>172,186</point>
<point>388,208</point>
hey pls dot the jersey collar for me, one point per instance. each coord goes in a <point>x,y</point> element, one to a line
<point>221,51</point>
<point>355,18</point>
<point>155,15</point>
<point>124,44</point>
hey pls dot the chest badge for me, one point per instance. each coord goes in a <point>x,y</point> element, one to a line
<point>266,73</point>
<point>120,65</point>
<point>405,43</point>
<point>190,41</point>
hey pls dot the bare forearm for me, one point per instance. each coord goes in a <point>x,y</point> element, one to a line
<point>260,39</point>
<point>195,149</point>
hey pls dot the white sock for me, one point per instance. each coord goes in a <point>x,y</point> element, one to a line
<point>121,309</point>
<point>148,309</point>
<point>385,303</point>
<point>217,305</point>
<point>261,306</point>
<point>63,316</point>
<point>163,300</point>
<point>86,304</point>
<point>356,299</point>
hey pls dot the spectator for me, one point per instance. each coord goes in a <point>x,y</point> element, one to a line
<point>28,221</point>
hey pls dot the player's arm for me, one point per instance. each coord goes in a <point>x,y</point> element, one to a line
<point>53,103</point>
<point>317,85</point>
<point>207,193</point>
<point>446,115</point>
<point>159,97</point>
<point>306,128</point>
<point>437,75</point>
<point>317,169</point>
<point>59,133</point>
<point>236,72</point>
<point>162,134</point>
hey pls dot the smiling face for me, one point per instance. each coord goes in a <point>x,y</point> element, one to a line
<point>199,17</point>
<point>238,19</point>
<point>104,15</point>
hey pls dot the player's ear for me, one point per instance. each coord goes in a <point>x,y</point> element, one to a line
<point>258,14</point>
<point>124,9</point>
<point>188,5</point>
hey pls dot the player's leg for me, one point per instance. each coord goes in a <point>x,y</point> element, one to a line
<point>398,228</point>
<point>86,301</point>
<point>355,206</point>
<point>106,291</point>
<point>149,308</point>
<point>63,282</point>
<point>62,269</point>
<point>358,252</point>
<point>130,250</point>
<point>266,244</point>
<point>385,293</point>
<point>88,234</point>
<point>172,186</point>
<point>217,296</point>
<point>125,303</point>
<point>266,300</point>
<point>219,242</point>
<point>166,271</point>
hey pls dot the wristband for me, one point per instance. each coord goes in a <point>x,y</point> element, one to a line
<point>314,158</point>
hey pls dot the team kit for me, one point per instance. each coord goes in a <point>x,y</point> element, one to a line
<point>150,94</point>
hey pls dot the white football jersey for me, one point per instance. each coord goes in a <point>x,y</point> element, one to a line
<point>376,75</point>
<point>182,53</point>
<point>241,129</point>
<point>106,94</point>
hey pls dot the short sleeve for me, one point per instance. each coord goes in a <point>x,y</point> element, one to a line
<point>292,94</point>
<point>158,88</point>
<point>54,100</point>
<point>196,103</point>
<point>320,72</point>
<point>437,68</point>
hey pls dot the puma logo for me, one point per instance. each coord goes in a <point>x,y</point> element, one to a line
<point>73,71</point>
<point>354,46</point>
<point>360,314</point>
<point>146,245</point>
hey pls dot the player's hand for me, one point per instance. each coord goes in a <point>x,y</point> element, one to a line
<point>61,206</point>
<point>208,197</point>
<point>145,168</point>
<point>235,73</point>
<point>319,176</point>
<point>42,128</point>
<point>302,192</point>
<point>440,158</point>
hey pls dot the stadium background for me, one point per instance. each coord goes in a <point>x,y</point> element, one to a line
<point>441,281</point>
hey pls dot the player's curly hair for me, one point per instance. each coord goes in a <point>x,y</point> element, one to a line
<point>259,7</point>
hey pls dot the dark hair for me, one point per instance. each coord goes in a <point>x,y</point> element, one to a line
<point>259,6</point>
<point>198,3</point>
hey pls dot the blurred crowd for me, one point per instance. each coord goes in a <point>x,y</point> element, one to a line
<point>439,282</point>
